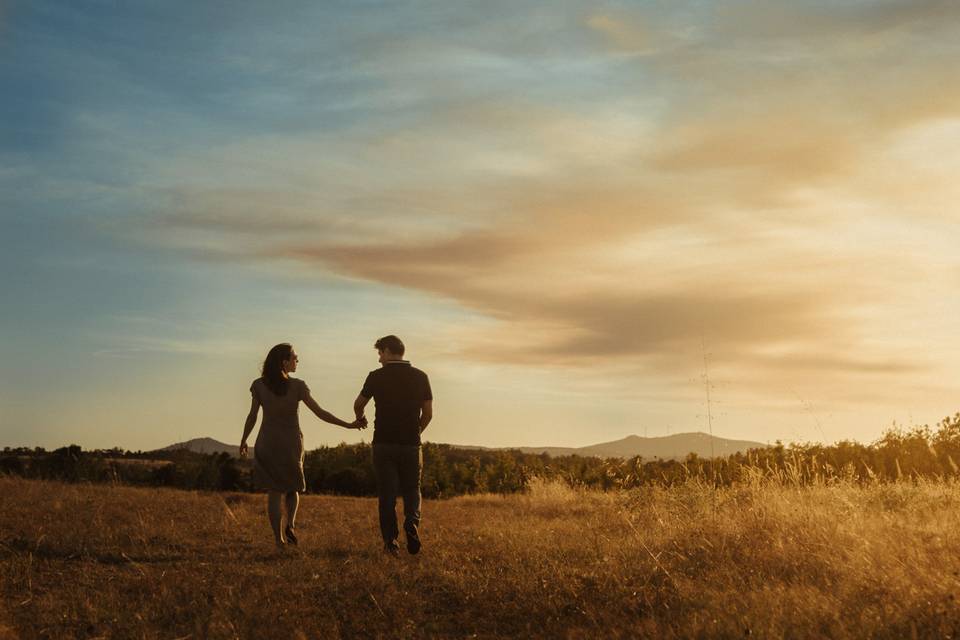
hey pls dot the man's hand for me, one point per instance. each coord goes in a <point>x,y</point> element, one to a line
<point>243,450</point>
<point>360,423</point>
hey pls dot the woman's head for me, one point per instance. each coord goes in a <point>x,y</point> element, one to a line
<point>280,361</point>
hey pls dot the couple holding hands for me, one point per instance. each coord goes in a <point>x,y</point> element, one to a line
<point>404,408</point>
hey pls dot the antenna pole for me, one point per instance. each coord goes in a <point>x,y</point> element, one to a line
<point>706,384</point>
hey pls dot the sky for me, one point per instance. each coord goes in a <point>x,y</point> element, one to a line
<point>583,219</point>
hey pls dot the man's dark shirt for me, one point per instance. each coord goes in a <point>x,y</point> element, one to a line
<point>399,391</point>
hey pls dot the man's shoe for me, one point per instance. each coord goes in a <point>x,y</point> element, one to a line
<point>413,544</point>
<point>392,548</point>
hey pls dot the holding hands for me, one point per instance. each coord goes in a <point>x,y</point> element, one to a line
<point>360,423</point>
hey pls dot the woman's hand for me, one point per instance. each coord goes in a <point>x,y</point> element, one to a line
<point>243,449</point>
<point>359,424</point>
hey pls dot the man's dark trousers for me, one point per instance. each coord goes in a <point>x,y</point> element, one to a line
<point>398,469</point>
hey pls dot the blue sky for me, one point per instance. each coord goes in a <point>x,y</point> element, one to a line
<point>561,208</point>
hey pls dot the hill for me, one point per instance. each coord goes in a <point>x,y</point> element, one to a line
<point>676,446</point>
<point>204,445</point>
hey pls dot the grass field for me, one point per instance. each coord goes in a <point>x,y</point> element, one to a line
<point>765,560</point>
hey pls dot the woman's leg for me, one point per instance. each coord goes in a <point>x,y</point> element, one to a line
<point>293,501</point>
<point>273,511</point>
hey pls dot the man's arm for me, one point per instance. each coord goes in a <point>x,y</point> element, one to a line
<point>426,414</point>
<point>359,404</point>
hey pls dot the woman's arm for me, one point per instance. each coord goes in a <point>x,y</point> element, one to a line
<point>249,425</point>
<point>326,416</point>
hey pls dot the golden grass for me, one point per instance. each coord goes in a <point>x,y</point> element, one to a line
<point>767,560</point>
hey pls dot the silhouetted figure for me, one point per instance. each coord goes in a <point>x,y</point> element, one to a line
<point>278,452</point>
<point>404,408</point>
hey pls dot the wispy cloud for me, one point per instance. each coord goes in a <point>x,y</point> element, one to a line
<point>521,209</point>
<point>610,188</point>
<point>132,336</point>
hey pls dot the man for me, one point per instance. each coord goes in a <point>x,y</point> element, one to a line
<point>404,408</point>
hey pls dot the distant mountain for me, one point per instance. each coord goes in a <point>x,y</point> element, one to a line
<point>673,446</point>
<point>204,445</point>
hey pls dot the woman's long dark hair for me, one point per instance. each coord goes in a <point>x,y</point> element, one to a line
<point>273,368</point>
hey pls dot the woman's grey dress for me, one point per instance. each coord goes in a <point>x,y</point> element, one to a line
<point>278,453</point>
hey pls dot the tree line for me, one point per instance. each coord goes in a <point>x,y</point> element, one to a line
<point>920,452</point>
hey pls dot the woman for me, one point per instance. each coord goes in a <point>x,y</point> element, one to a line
<point>278,452</point>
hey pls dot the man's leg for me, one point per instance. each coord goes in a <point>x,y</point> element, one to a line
<point>385,468</point>
<point>411,464</point>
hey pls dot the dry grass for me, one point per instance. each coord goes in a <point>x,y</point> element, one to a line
<point>765,560</point>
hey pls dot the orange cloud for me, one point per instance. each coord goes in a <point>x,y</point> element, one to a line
<point>730,213</point>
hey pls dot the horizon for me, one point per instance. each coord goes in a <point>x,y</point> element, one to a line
<point>737,219</point>
<point>364,440</point>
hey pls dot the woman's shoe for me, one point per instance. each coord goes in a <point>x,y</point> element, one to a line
<point>291,538</point>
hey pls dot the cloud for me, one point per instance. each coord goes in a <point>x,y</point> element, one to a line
<point>559,307</point>
<point>830,21</point>
<point>730,178</point>
<point>626,35</point>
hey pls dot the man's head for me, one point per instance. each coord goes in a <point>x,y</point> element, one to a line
<point>389,348</point>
